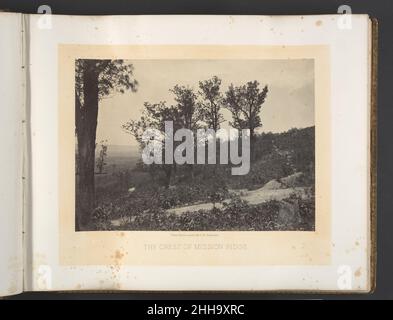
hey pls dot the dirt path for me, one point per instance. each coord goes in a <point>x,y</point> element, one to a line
<point>271,191</point>
<point>253,197</point>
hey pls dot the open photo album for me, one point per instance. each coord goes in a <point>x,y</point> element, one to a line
<point>188,153</point>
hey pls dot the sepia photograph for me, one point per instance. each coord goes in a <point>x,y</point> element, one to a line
<point>189,154</point>
<point>194,145</point>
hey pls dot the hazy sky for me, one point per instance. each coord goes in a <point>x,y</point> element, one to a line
<point>289,103</point>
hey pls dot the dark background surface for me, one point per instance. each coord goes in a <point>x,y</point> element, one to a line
<point>380,9</point>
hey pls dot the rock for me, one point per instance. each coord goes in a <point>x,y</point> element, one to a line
<point>292,180</point>
<point>273,185</point>
<point>288,213</point>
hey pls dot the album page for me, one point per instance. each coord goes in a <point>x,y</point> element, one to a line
<point>200,153</point>
<point>11,159</point>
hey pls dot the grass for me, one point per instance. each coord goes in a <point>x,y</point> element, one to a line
<point>145,208</point>
<point>238,215</point>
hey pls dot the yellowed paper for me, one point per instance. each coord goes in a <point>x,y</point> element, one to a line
<point>193,248</point>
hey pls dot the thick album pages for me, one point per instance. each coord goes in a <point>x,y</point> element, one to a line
<point>12,92</point>
<point>187,153</point>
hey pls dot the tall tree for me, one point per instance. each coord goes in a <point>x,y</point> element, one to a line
<point>211,102</point>
<point>190,114</point>
<point>154,117</point>
<point>187,105</point>
<point>94,80</point>
<point>245,103</point>
<point>100,163</point>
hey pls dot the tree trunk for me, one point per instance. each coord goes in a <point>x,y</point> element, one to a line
<point>168,175</point>
<point>86,135</point>
<point>252,144</point>
<point>86,189</point>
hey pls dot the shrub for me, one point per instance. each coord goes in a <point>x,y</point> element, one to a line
<point>235,215</point>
